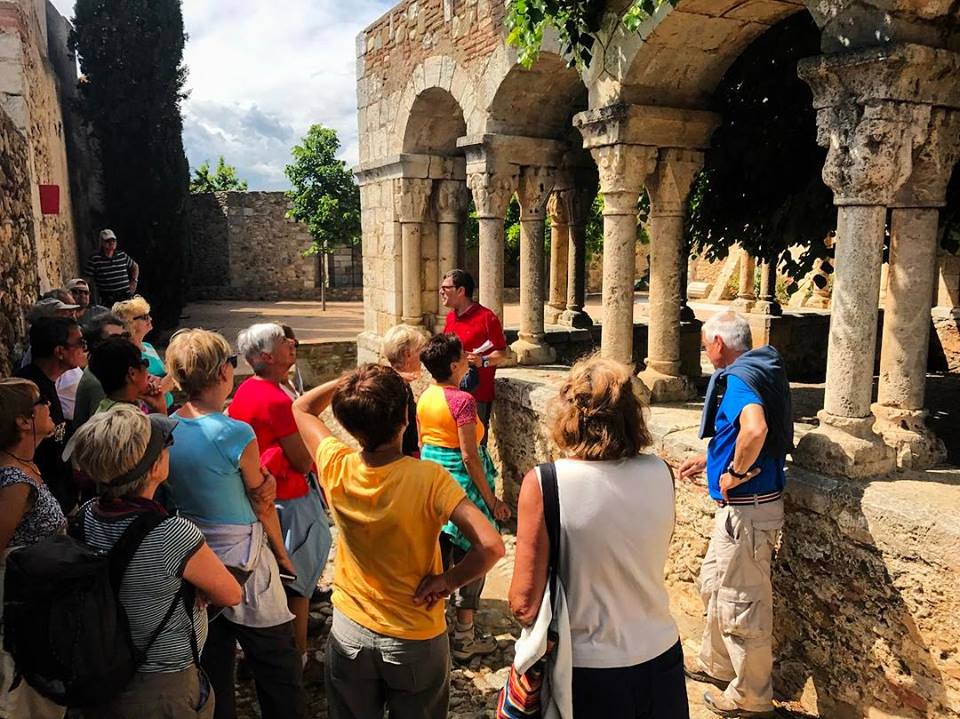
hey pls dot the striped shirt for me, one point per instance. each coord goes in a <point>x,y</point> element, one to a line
<point>152,579</point>
<point>111,274</point>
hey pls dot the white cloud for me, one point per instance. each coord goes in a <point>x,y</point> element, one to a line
<point>261,73</point>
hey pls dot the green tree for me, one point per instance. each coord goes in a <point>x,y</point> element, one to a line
<point>576,22</point>
<point>324,195</point>
<point>222,179</point>
<point>131,57</point>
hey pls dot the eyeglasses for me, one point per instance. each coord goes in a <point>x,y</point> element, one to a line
<point>144,362</point>
<point>294,342</point>
<point>447,288</point>
<point>232,361</point>
<point>145,318</point>
<point>82,344</point>
<point>41,401</point>
<point>78,291</point>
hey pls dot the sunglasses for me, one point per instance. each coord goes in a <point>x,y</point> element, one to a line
<point>447,288</point>
<point>145,318</point>
<point>232,360</point>
<point>144,362</point>
<point>42,401</point>
<point>82,344</point>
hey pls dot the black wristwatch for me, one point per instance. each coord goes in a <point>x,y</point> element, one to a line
<point>735,474</point>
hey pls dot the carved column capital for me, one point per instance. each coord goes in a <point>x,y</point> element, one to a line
<point>411,197</point>
<point>580,200</point>
<point>933,162</point>
<point>870,148</point>
<point>558,207</point>
<point>623,171</point>
<point>492,192</point>
<point>669,185</point>
<point>451,198</point>
<point>536,184</point>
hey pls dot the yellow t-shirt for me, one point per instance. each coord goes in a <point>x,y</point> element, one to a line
<point>389,521</point>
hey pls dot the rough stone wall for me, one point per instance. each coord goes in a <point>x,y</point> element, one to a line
<point>243,246</point>
<point>381,257</point>
<point>28,92</point>
<point>867,580</point>
<point>19,283</point>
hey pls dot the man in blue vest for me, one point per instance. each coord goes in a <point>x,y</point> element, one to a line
<point>748,416</point>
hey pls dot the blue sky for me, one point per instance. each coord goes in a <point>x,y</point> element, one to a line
<point>261,73</point>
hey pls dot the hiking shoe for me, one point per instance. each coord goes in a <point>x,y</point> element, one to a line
<point>694,670</point>
<point>720,705</point>
<point>467,645</point>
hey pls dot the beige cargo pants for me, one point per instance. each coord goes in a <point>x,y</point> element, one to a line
<point>737,592</point>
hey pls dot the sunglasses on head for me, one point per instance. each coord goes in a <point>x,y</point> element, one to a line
<point>232,360</point>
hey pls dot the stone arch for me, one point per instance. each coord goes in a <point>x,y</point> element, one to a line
<point>434,124</point>
<point>440,73</point>
<point>536,102</point>
<point>680,54</point>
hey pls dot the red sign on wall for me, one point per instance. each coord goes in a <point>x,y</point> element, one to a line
<point>50,199</point>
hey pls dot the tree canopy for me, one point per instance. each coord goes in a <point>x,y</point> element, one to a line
<point>222,179</point>
<point>131,57</point>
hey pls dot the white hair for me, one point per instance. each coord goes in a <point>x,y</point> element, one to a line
<point>256,339</point>
<point>732,328</point>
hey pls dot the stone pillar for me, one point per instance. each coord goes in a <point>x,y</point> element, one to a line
<point>580,203</point>
<point>911,279</point>
<point>452,198</point>
<point>869,158</point>
<point>536,184</point>
<point>746,294</point>
<point>491,195</point>
<point>623,171</point>
<point>412,198</point>
<point>767,304</point>
<point>686,311</point>
<point>557,207</point>
<point>668,188</point>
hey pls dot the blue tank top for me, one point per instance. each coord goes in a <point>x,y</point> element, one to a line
<point>205,480</point>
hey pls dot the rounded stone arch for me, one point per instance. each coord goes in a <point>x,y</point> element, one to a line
<point>677,57</point>
<point>536,102</point>
<point>434,123</point>
<point>438,78</point>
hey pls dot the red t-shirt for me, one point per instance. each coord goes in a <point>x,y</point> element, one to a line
<point>474,327</point>
<point>268,409</point>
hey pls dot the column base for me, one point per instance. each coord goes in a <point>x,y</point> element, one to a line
<point>667,388</point>
<point>845,446</point>
<point>763,307</point>
<point>533,351</point>
<point>906,431</point>
<point>577,319</point>
<point>742,306</point>
<point>551,314</point>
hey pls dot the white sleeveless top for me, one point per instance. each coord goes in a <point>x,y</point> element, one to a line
<point>616,522</point>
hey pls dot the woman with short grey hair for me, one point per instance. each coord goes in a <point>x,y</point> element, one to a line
<point>263,402</point>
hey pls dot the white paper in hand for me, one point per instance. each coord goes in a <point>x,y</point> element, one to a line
<point>485,347</point>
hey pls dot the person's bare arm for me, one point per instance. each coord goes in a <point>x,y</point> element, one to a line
<point>295,449</point>
<point>306,411</point>
<point>206,572</point>
<point>532,561</point>
<point>486,549</point>
<point>14,502</point>
<point>750,438</point>
<point>261,496</point>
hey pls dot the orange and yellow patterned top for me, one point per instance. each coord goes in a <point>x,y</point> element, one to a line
<point>441,411</point>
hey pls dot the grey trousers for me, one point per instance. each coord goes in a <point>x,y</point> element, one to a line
<point>737,592</point>
<point>169,695</point>
<point>367,673</point>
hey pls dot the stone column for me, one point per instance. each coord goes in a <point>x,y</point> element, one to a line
<point>491,195</point>
<point>869,158</point>
<point>746,295</point>
<point>557,207</point>
<point>686,311</point>
<point>623,171</point>
<point>412,198</point>
<point>536,184</point>
<point>452,198</point>
<point>911,279</point>
<point>767,304</point>
<point>668,188</point>
<point>580,202</point>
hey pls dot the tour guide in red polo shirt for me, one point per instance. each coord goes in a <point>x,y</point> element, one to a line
<point>475,325</point>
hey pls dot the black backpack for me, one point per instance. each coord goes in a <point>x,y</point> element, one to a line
<point>63,621</point>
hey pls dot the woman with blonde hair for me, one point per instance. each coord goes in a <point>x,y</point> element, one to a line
<point>216,481</point>
<point>172,576</point>
<point>401,348</point>
<point>28,513</point>
<point>135,314</point>
<point>616,521</point>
